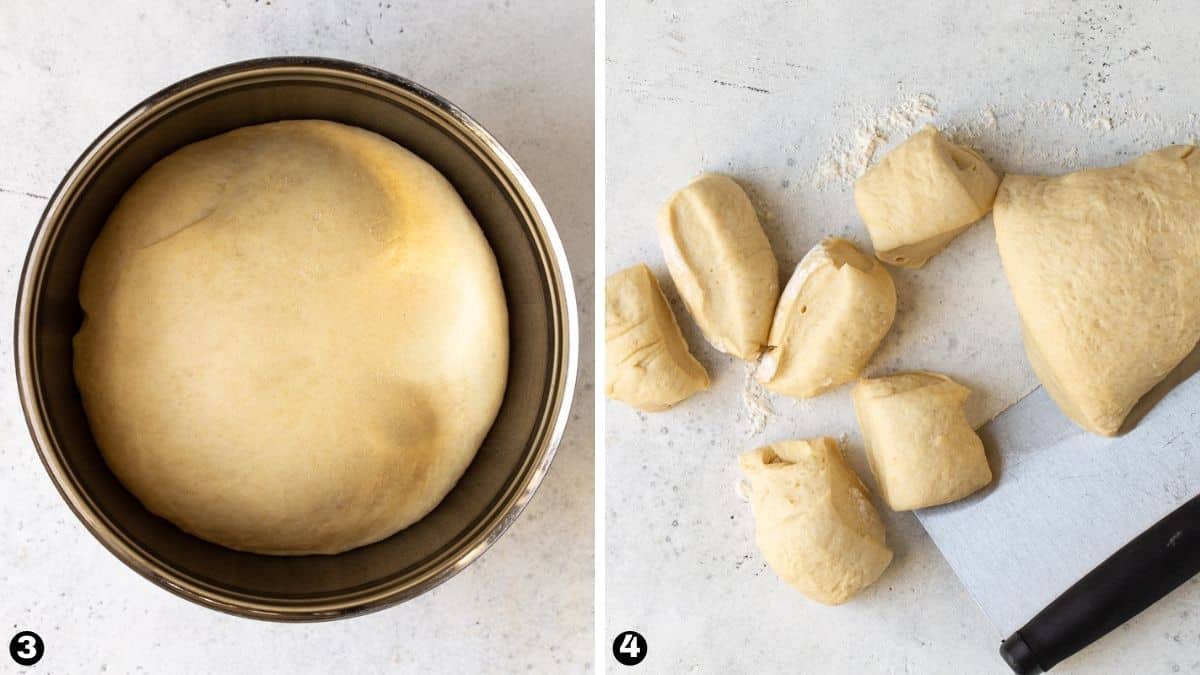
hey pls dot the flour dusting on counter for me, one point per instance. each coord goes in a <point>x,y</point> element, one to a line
<point>996,125</point>
<point>758,406</point>
<point>850,155</point>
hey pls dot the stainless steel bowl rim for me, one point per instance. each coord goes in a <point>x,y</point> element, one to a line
<point>131,555</point>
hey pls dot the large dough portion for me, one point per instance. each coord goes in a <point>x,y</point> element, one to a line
<point>834,312</point>
<point>814,522</point>
<point>296,338</point>
<point>647,362</point>
<point>721,262</point>
<point>1104,266</point>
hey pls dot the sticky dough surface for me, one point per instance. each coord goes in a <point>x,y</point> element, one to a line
<point>296,338</point>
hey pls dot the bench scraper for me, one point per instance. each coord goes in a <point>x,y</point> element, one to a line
<point>1063,502</point>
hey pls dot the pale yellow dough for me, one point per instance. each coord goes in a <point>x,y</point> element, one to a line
<point>1104,266</point>
<point>296,338</point>
<point>721,263</point>
<point>814,521</point>
<point>647,362</point>
<point>921,195</point>
<point>834,312</point>
<point>919,444</point>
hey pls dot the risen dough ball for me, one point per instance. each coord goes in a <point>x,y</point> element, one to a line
<point>832,315</point>
<point>919,444</point>
<point>814,522</point>
<point>647,362</point>
<point>296,338</point>
<point>721,262</point>
<point>1104,266</point>
<point>922,194</point>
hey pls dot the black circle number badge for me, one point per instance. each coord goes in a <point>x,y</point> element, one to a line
<point>26,648</point>
<point>629,648</point>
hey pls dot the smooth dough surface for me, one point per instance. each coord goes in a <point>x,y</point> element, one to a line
<point>1104,266</point>
<point>721,263</point>
<point>814,521</point>
<point>921,195</point>
<point>920,446</point>
<point>832,315</point>
<point>647,362</point>
<point>296,338</point>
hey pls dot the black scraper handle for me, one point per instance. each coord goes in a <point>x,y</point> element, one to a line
<point>1135,577</point>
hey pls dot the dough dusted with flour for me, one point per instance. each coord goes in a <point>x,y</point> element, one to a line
<point>1104,266</point>
<point>814,521</point>
<point>647,362</point>
<point>923,193</point>
<point>834,312</point>
<point>721,263</point>
<point>921,448</point>
<point>296,338</point>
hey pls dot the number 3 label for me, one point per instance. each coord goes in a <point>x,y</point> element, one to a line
<point>629,648</point>
<point>26,648</point>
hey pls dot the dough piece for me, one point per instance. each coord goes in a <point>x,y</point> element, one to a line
<point>1104,266</point>
<point>647,362</point>
<point>296,338</point>
<point>919,444</point>
<point>721,263</point>
<point>814,522</point>
<point>832,315</point>
<point>922,194</point>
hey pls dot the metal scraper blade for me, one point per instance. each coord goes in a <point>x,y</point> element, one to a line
<point>1063,499</point>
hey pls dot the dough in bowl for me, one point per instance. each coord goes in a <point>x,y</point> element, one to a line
<point>296,338</point>
<point>1104,266</point>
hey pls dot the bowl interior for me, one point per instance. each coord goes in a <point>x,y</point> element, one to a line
<point>512,455</point>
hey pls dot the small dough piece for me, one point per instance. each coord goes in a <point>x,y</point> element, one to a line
<point>832,316</point>
<point>919,444</point>
<point>922,194</point>
<point>721,262</point>
<point>814,522</point>
<point>1104,266</point>
<point>647,362</point>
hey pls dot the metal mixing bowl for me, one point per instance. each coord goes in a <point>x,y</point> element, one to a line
<point>543,336</point>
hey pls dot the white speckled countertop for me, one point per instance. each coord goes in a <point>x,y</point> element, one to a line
<point>522,69</point>
<point>776,96</point>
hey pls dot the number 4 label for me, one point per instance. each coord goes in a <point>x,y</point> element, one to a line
<point>629,648</point>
